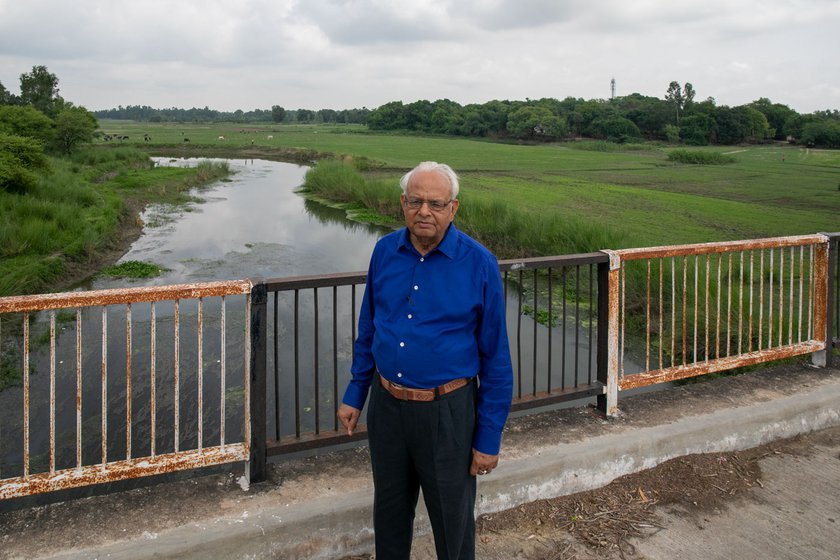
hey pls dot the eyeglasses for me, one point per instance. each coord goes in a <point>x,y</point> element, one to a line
<point>434,205</point>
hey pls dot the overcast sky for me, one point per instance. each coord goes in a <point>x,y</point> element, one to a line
<point>314,54</point>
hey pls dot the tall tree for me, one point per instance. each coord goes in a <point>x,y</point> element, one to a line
<point>73,126</point>
<point>278,113</point>
<point>681,98</point>
<point>39,88</point>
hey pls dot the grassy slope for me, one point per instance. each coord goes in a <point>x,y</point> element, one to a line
<point>644,199</point>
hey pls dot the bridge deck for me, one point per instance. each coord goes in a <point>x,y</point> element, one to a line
<point>319,507</point>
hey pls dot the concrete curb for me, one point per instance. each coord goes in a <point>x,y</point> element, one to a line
<point>341,525</point>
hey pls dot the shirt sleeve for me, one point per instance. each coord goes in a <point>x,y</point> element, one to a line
<point>495,390</point>
<point>363,363</point>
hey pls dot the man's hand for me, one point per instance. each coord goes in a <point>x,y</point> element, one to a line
<point>482,463</point>
<point>349,417</point>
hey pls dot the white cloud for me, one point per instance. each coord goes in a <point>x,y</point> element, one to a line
<point>230,54</point>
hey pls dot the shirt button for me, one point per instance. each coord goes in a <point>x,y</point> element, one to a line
<point>402,344</point>
<point>416,287</point>
<point>399,374</point>
<point>409,315</point>
<point>422,259</point>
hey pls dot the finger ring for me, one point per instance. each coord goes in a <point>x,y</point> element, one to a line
<point>482,471</point>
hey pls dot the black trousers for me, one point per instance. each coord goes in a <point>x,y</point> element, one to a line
<point>424,445</point>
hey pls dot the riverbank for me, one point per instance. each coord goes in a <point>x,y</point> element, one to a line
<point>84,214</point>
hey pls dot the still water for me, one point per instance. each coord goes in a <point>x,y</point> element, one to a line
<point>253,224</point>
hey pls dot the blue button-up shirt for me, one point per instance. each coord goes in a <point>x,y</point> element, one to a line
<point>426,320</point>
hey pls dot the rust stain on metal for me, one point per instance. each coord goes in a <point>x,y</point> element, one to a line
<point>26,395</point>
<point>52,392</point>
<point>18,304</point>
<point>718,247</point>
<point>120,470</point>
<point>730,362</point>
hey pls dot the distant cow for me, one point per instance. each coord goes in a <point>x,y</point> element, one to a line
<point>186,139</point>
<point>221,137</point>
<point>270,137</point>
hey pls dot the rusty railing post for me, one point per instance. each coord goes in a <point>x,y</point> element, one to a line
<point>259,335</point>
<point>830,315</point>
<point>608,307</point>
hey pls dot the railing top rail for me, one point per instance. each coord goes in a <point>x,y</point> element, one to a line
<point>115,296</point>
<point>546,262</point>
<point>720,247</point>
<point>359,277</point>
<point>315,281</point>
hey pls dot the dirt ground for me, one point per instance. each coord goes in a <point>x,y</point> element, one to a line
<point>603,523</point>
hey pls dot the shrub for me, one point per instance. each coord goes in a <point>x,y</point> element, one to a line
<point>699,157</point>
<point>19,159</point>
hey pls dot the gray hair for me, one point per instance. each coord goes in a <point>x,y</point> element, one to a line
<point>441,168</point>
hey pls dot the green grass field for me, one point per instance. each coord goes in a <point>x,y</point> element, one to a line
<point>636,193</point>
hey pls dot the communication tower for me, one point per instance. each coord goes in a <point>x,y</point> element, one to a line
<point>612,88</point>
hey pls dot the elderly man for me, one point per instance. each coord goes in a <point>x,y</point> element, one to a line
<point>433,350</point>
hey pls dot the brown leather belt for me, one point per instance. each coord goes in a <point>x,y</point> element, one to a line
<point>424,395</point>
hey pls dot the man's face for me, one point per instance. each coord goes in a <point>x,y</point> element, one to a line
<point>427,225</point>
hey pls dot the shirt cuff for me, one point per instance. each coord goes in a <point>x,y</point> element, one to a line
<point>487,440</point>
<point>355,395</point>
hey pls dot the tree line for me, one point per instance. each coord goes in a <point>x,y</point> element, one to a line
<point>675,118</point>
<point>278,114</point>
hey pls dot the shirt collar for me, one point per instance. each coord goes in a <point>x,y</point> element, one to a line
<point>448,245</point>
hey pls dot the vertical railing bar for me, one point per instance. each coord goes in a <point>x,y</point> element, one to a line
<point>770,303</point>
<point>550,327</point>
<point>247,369</point>
<point>661,312</point>
<point>26,395</point>
<point>104,385</point>
<point>740,298</point>
<point>760,298</point>
<point>781,294</point>
<point>335,357</point>
<point>52,392</point>
<point>200,374</point>
<point>790,296</point>
<point>708,269</point>
<point>623,313</point>
<point>519,338</point>
<point>696,302</point>
<point>647,319</point>
<point>811,291</point>
<point>176,399</point>
<point>563,360</point>
<point>729,307</point>
<point>577,324</point>
<point>717,314</point>
<point>316,367</point>
<point>801,290</point>
<point>591,322</point>
<point>128,348</point>
<point>297,363</point>
<point>276,351</point>
<point>673,310</point>
<point>153,379</point>
<point>353,316</point>
<point>750,313</point>
<point>536,322</point>
<point>222,373</point>
<point>685,310</point>
<point>78,388</point>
